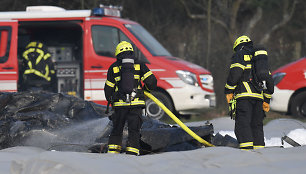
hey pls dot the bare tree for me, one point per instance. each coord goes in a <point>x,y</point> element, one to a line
<point>236,17</point>
<point>287,14</point>
<point>228,12</point>
<point>208,33</point>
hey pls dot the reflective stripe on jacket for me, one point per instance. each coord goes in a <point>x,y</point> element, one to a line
<point>112,93</point>
<point>38,61</point>
<point>239,80</point>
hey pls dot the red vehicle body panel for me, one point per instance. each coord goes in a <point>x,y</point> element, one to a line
<point>9,68</point>
<point>295,75</point>
<point>94,67</point>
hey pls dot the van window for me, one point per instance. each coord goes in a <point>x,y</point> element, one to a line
<point>153,46</point>
<point>5,40</point>
<point>106,38</point>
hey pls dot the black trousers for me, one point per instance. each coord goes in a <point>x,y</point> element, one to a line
<point>133,118</point>
<point>249,122</point>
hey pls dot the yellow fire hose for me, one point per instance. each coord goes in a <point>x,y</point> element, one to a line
<point>178,121</point>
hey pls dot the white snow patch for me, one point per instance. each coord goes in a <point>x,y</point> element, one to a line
<point>217,160</point>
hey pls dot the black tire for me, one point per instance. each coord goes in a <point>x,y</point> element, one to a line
<point>298,105</point>
<point>153,110</point>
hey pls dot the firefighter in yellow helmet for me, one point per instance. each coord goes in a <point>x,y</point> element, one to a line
<point>248,98</point>
<point>38,68</point>
<point>124,90</point>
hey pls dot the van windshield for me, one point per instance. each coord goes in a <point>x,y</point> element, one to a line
<point>153,46</point>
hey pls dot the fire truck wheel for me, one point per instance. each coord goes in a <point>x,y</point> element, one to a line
<point>298,105</point>
<point>153,110</point>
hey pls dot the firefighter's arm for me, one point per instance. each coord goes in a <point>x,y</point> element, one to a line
<point>236,69</point>
<point>267,93</point>
<point>109,85</point>
<point>148,78</point>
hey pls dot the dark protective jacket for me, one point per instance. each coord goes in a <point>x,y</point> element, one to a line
<point>114,95</point>
<point>241,81</point>
<point>38,67</point>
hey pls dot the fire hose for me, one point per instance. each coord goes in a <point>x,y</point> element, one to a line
<point>178,121</point>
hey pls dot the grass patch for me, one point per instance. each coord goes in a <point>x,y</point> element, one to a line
<point>271,115</point>
<point>275,115</point>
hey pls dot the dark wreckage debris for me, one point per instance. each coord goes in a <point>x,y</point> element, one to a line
<point>55,121</point>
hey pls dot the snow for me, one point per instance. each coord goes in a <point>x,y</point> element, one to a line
<point>216,160</point>
<point>274,130</point>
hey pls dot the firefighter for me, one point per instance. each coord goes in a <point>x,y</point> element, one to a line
<point>124,90</point>
<point>38,68</point>
<point>251,98</point>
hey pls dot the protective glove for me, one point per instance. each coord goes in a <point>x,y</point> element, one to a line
<point>229,97</point>
<point>232,109</point>
<point>265,106</point>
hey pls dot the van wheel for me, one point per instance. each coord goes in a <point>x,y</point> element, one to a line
<point>298,106</point>
<point>153,110</point>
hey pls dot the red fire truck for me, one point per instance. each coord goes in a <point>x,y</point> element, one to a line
<point>82,44</point>
<point>290,88</point>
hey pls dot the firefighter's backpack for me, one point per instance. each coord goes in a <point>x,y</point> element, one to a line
<point>260,65</point>
<point>127,84</point>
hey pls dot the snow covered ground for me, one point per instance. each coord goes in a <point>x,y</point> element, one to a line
<point>214,160</point>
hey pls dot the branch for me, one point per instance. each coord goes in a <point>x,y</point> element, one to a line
<point>203,16</point>
<point>254,20</point>
<point>221,23</point>
<point>192,16</point>
<point>199,5</point>
<point>234,13</point>
<point>286,18</point>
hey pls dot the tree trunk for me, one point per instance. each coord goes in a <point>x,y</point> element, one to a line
<point>82,4</point>
<point>297,50</point>
<point>208,34</point>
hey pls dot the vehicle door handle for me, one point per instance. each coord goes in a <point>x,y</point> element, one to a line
<point>98,67</point>
<point>7,68</point>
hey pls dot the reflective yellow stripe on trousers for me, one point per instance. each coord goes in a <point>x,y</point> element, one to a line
<point>246,144</point>
<point>134,150</point>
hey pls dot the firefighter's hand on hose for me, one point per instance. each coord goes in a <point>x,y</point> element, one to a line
<point>266,106</point>
<point>229,97</point>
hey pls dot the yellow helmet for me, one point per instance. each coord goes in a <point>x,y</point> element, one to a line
<point>241,39</point>
<point>123,46</point>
